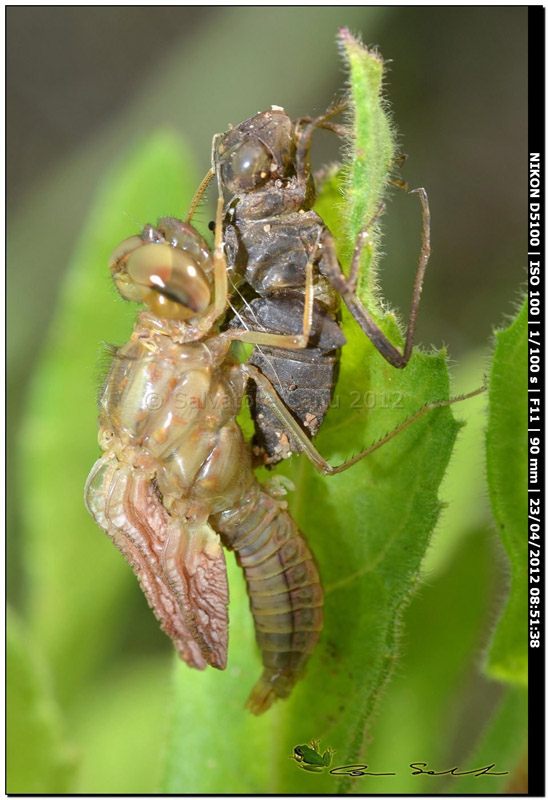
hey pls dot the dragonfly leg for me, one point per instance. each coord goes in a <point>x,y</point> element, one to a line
<point>200,191</point>
<point>311,452</point>
<point>346,286</point>
<point>220,275</point>
<point>304,135</point>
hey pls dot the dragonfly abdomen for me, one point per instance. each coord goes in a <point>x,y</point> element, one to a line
<point>283,585</point>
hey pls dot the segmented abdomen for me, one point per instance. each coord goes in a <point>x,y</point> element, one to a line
<point>283,584</point>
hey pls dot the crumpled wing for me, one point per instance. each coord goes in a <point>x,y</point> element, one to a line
<point>194,565</point>
<point>181,570</point>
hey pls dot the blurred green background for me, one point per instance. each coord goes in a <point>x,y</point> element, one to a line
<point>84,86</point>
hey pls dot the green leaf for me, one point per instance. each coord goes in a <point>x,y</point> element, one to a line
<point>79,585</point>
<point>372,153</point>
<point>38,760</point>
<point>506,443</point>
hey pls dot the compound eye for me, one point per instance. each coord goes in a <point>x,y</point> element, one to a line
<point>171,283</point>
<point>123,249</point>
<point>247,167</point>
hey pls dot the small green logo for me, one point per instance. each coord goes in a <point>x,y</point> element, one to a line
<point>310,758</point>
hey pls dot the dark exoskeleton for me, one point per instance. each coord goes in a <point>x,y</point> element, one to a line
<point>272,237</point>
<point>270,234</point>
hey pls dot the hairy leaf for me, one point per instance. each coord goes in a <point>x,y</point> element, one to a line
<point>372,153</point>
<point>507,480</point>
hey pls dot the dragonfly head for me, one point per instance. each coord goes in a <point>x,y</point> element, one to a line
<point>168,267</point>
<point>257,151</point>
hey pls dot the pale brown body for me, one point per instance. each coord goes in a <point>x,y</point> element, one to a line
<point>176,482</point>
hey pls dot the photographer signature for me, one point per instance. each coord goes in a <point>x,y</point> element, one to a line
<point>310,758</point>
<point>358,770</point>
